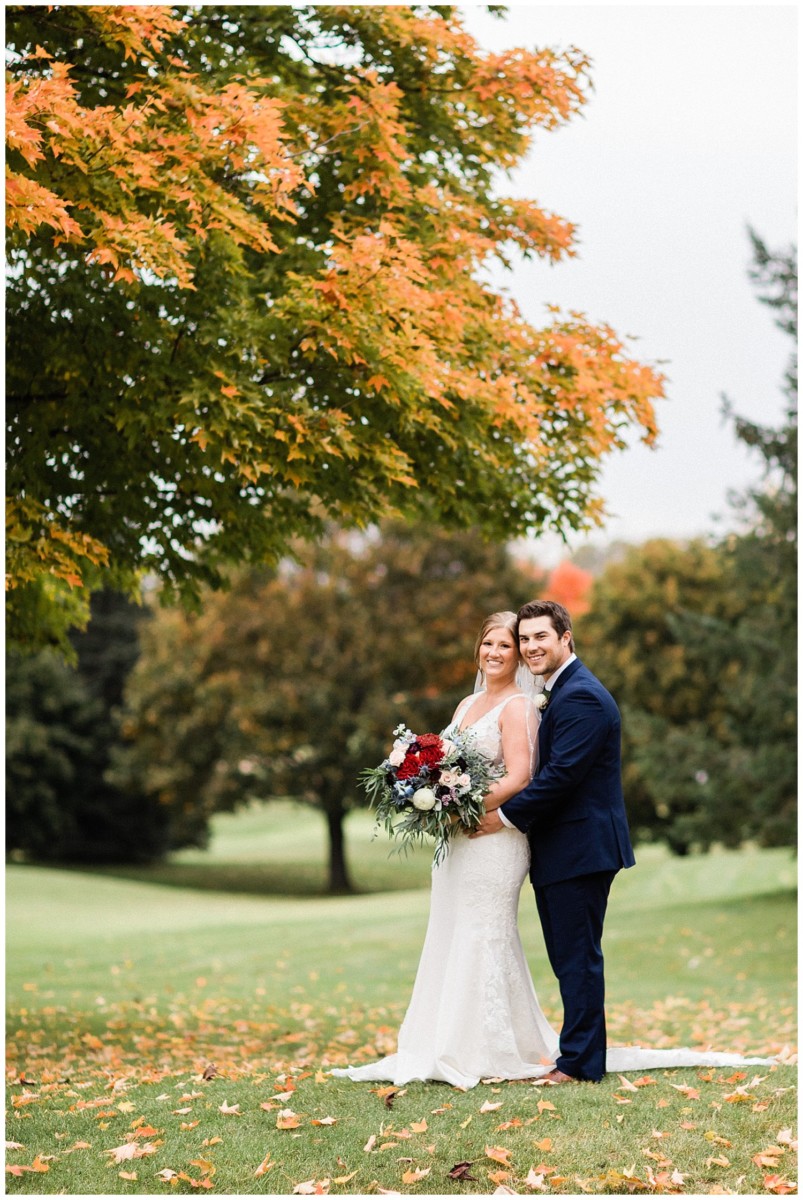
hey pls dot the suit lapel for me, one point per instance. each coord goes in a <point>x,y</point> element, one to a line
<point>545,728</point>
<point>564,677</point>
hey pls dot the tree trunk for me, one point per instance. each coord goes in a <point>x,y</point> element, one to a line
<point>339,881</point>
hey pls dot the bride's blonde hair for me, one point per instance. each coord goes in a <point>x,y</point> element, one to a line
<point>497,620</point>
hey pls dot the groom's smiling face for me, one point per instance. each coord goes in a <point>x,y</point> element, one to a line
<point>541,647</point>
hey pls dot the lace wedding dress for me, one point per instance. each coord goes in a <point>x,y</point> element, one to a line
<point>474,1012</point>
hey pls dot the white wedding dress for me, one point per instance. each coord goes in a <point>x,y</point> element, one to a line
<point>474,1013</point>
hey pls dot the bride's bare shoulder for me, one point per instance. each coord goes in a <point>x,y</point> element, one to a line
<point>463,705</point>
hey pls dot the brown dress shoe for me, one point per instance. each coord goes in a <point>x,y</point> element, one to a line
<point>555,1077</point>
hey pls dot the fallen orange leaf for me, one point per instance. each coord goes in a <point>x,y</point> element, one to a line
<point>265,1166</point>
<point>499,1176</point>
<point>499,1154</point>
<point>415,1174</point>
<point>781,1187</point>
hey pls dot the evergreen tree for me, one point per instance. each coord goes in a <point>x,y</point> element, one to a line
<point>61,731</point>
<point>698,643</point>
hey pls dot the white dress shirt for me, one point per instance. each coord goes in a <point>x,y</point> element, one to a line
<point>548,686</point>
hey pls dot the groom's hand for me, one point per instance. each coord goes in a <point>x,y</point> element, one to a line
<point>490,823</point>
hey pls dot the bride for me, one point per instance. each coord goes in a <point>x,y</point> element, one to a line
<point>474,1012</point>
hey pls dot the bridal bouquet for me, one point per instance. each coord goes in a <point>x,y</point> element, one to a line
<point>429,785</point>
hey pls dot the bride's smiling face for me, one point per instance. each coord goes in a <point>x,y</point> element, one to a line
<point>498,655</point>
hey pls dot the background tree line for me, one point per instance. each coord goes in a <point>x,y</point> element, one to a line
<point>290,682</point>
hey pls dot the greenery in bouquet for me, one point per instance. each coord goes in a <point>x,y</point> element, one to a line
<point>429,786</point>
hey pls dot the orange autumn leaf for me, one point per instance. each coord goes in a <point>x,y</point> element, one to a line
<point>769,1157</point>
<point>38,1166</point>
<point>415,1174</point>
<point>287,1119</point>
<point>204,1165</point>
<point>266,1165</point>
<point>499,1154</point>
<point>778,1185</point>
<point>499,1177</point>
<point>131,1150</point>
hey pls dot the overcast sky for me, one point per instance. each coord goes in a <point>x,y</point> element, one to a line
<point>688,137</point>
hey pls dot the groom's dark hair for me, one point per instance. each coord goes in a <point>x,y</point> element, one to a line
<point>561,621</point>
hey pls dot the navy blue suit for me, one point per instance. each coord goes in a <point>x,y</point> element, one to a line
<point>573,812</point>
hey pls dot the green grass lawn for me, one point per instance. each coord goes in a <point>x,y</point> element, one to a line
<point>121,990</point>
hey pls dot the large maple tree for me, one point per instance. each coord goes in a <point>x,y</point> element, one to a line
<point>247,293</point>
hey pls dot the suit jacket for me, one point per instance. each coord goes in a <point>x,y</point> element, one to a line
<point>573,809</point>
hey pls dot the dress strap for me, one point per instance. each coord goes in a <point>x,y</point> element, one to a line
<point>463,707</point>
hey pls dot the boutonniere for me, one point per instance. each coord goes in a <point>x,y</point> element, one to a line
<point>541,700</point>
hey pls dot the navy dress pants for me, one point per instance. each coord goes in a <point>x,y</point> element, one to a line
<point>572,913</point>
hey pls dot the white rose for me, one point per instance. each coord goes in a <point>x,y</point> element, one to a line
<point>448,747</point>
<point>424,799</point>
<point>540,700</point>
<point>396,757</point>
<point>464,781</point>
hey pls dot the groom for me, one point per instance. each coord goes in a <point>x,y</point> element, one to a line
<point>574,813</point>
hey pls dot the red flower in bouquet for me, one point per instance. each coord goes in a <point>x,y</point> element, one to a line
<point>429,741</point>
<point>410,767</point>
<point>425,752</point>
<point>429,748</point>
